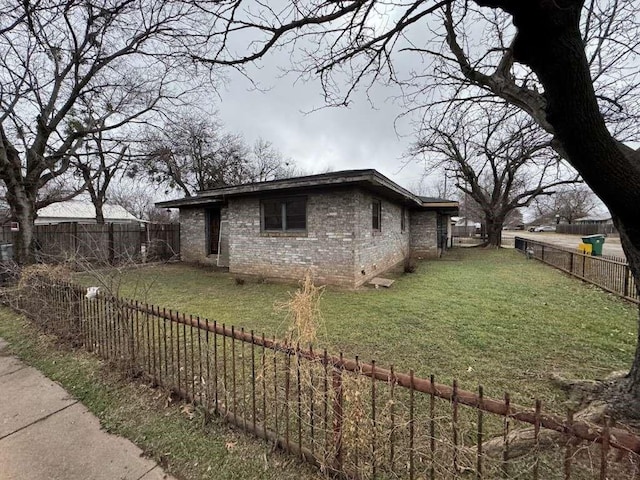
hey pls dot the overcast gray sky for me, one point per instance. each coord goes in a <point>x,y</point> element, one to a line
<point>359,136</point>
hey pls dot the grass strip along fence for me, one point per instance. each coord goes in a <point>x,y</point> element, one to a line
<point>609,273</point>
<point>347,417</point>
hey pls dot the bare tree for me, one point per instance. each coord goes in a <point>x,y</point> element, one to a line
<point>268,163</point>
<point>70,69</point>
<point>472,211</point>
<point>441,186</point>
<point>194,154</point>
<point>481,68</point>
<point>98,165</point>
<point>567,204</point>
<point>570,65</point>
<point>498,157</point>
<point>138,197</point>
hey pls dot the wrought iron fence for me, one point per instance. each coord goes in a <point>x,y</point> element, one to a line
<point>607,272</point>
<point>347,417</point>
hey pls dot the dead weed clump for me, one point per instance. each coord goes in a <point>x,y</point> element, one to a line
<point>311,400</point>
<point>303,312</point>
<point>44,273</point>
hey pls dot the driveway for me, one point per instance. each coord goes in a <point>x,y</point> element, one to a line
<point>570,242</point>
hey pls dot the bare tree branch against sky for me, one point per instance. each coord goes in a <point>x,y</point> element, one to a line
<point>71,69</point>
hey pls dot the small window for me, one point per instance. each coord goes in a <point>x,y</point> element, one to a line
<point>295,214</point>
<point>403,219</point>
<point>272,215</point>
<point>376,214</point>
<point>283,214</point>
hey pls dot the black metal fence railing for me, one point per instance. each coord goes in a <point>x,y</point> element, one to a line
<point>348,417</point>
<point>609,273</point>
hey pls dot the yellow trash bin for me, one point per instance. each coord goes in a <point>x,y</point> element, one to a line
<point>585,248</point>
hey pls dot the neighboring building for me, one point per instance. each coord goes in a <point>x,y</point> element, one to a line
<point>594,220</point>
<point>465,227</point>
<point>83,212</point>
<point>347,227</point>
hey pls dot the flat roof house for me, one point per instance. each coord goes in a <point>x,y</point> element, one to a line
<point>346,226</point>
<point>603,219</point>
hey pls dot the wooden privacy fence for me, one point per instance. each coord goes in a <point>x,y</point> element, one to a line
<point>586,228</point>
<point>609,273</point>
<point>464,231</point>
<point>347,417</point>
<point>110,243</point>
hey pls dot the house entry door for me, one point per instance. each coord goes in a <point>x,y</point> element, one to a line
<point>213,230</point>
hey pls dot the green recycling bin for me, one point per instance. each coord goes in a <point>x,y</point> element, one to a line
<point>596,242</point>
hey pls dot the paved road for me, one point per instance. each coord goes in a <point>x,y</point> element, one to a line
<point>47,434</point>
<point>611,244</point>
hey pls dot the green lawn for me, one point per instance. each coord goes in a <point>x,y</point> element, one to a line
<point>482,316</point>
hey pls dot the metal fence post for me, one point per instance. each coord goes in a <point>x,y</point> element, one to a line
<point>627,272</point>
<point>571,262</point>
<point>75,237</point>
<point>337,417</point>
<point>111,245</point>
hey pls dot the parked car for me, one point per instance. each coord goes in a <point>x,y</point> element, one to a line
<point>514,227</point>
<point>545,228</point>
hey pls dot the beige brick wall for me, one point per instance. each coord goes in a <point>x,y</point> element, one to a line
<point>193,238</point>
<point>377,251</point>
<point>326,248</point>
<point>424,242</point>
<point>192,235</point>
<point>338,245</point>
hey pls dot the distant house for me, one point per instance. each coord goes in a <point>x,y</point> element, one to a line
<point>82,212</point>
<point>594,220</point>
<point>347,226</point>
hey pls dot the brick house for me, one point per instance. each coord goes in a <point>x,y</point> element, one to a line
<point>347,227</point>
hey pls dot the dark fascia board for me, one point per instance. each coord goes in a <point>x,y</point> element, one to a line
<point>320,180</point>
<point>449,204</point>
<point>452,211</point>
<point>370,179</point>
<point>189,202</point>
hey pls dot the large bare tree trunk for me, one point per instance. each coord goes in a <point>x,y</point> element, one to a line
<point>23,206</point>
<point>98,204</point>
<point>549,41</point>
<point>631,246</point>
<point>494,231</point>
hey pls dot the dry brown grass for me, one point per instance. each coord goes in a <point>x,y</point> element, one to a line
<point>44,273</point>
<point>302,311</point>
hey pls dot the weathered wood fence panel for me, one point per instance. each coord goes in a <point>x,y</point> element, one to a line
<point>586,229</point>
<point>106,244</point>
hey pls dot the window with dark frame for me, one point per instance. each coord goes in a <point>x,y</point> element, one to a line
<point>376,214</point>
<point>284,214</point>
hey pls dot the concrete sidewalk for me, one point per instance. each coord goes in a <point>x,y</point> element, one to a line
<point>47,434</point>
